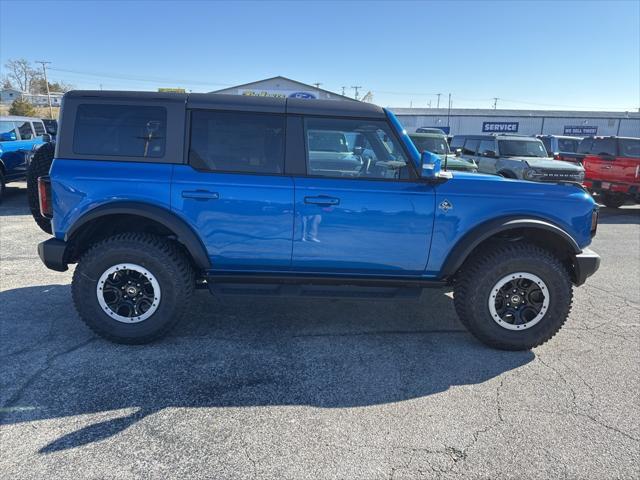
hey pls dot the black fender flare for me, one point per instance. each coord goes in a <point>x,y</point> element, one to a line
<point>184,233</point>
<point>460,252</point>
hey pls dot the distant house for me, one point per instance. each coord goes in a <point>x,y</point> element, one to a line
<point>8,95</point>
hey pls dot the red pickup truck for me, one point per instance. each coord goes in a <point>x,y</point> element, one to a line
<point>612,168</point>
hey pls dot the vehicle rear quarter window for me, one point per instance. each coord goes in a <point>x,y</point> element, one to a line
<point>241,142</point>
<point>630,147</point>
<point>547,144</point>
<point>26,132</point>
<point>349,148</point>
<point>120,130</point>
<point>39,128</point>
<point>586,145</point>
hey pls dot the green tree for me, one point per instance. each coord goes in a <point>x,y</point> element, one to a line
<point>22,108</point>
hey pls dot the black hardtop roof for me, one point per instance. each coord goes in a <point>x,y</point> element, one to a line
<point>485,136</point>
<point>243,102</point>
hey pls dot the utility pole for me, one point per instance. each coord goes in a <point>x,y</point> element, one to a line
<point>429,104</point>
<point>449,112</point>
<point>495,102</point>
<point>343,91</point>
<point>356,89</point>
<point>46,82</point>
<point>438,104</point>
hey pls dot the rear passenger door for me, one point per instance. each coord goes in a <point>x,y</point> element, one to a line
<point>486,162</point>
<point>233,190</point>
<point>360,209</point>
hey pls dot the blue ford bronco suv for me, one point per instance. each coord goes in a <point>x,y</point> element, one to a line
<point>156,194</point>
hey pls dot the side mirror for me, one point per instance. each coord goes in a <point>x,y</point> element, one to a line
<point>358,151</point>
<point>606,156</point>
<point>8,136</point>
<point>458,152</point>
<point>429,165</point>
<point>46,138</point>
<point>489,153</point>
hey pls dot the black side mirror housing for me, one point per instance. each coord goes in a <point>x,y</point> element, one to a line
<point>46,137</point>
<point>489,154</point>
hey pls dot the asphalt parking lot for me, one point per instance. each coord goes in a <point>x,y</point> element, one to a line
<point>282,388</point>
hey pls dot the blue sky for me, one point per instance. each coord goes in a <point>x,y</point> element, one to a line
<point>564,55</point>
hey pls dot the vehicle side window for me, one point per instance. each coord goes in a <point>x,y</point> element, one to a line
<point>8,132</point>
<point>26,133</point>
<point>353,149</point>
<point>605,146</point>
<point>567,145</point>
<point>457,142</point>
<point>244,142</point>
<point>470,146</point>
<point>629,147</point>
<point>586,145</point>
<point>120,130</point>
<point>39,128</point>
<point>486,145</point>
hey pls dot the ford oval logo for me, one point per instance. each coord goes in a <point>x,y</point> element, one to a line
<point>302,95</point>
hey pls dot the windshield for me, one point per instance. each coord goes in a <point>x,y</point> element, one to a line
<point>522,148</point>
<point>437,145</point>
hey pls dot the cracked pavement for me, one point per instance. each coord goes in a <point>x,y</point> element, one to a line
<point>319,389</point>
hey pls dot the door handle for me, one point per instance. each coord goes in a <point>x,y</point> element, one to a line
<point>200,194</point>
<point>322,200</point>
<point>606,167</point>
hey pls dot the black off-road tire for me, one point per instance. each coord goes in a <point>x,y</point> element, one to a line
<point>39,167</point>
<point>613,200</point>
<point>478,276</point>
<point>163,258</point>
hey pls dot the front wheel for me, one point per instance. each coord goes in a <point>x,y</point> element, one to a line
<point>513,296</point>
<point>132,287</point>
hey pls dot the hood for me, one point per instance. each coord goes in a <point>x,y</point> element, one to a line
<point>548,163</point>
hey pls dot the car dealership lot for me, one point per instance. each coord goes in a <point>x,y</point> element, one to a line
<point>291,388</point>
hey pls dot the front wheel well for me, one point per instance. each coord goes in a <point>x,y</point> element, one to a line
<point>548,240</point>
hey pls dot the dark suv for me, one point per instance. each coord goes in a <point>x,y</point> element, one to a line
<point>156,194</point>
<point>514,156</point>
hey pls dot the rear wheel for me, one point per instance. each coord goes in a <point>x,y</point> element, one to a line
<point>613,200</point>
<point>133,288</point>
<point>38,167</point>
<point>513,296</point>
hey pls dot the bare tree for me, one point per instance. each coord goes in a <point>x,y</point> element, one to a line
<point>21,74</point>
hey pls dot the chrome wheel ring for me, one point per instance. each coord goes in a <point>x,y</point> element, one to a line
<point>519,301</point>
<point>128,293</point>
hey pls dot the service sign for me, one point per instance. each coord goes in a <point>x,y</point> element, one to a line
<point>278,93</point>
<point>500,127</point>
<point>580,130</point>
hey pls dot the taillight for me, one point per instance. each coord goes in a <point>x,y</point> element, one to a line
<point>44,196</point>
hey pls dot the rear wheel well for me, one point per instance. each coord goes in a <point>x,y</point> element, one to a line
<point>548,240</point>
<point>108,225</point>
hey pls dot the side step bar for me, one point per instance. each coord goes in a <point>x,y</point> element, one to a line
<point>318,287</point>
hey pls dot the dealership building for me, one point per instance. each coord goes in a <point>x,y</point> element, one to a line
<point>466,120</point>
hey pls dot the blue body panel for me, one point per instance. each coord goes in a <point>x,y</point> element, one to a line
<point>375,227</point>
<point>247,221</point>
<point>478,198</point>
<point>80,186</point>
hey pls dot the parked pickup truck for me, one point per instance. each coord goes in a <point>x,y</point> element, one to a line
<point>612,168</point>
<point>156,194</point>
